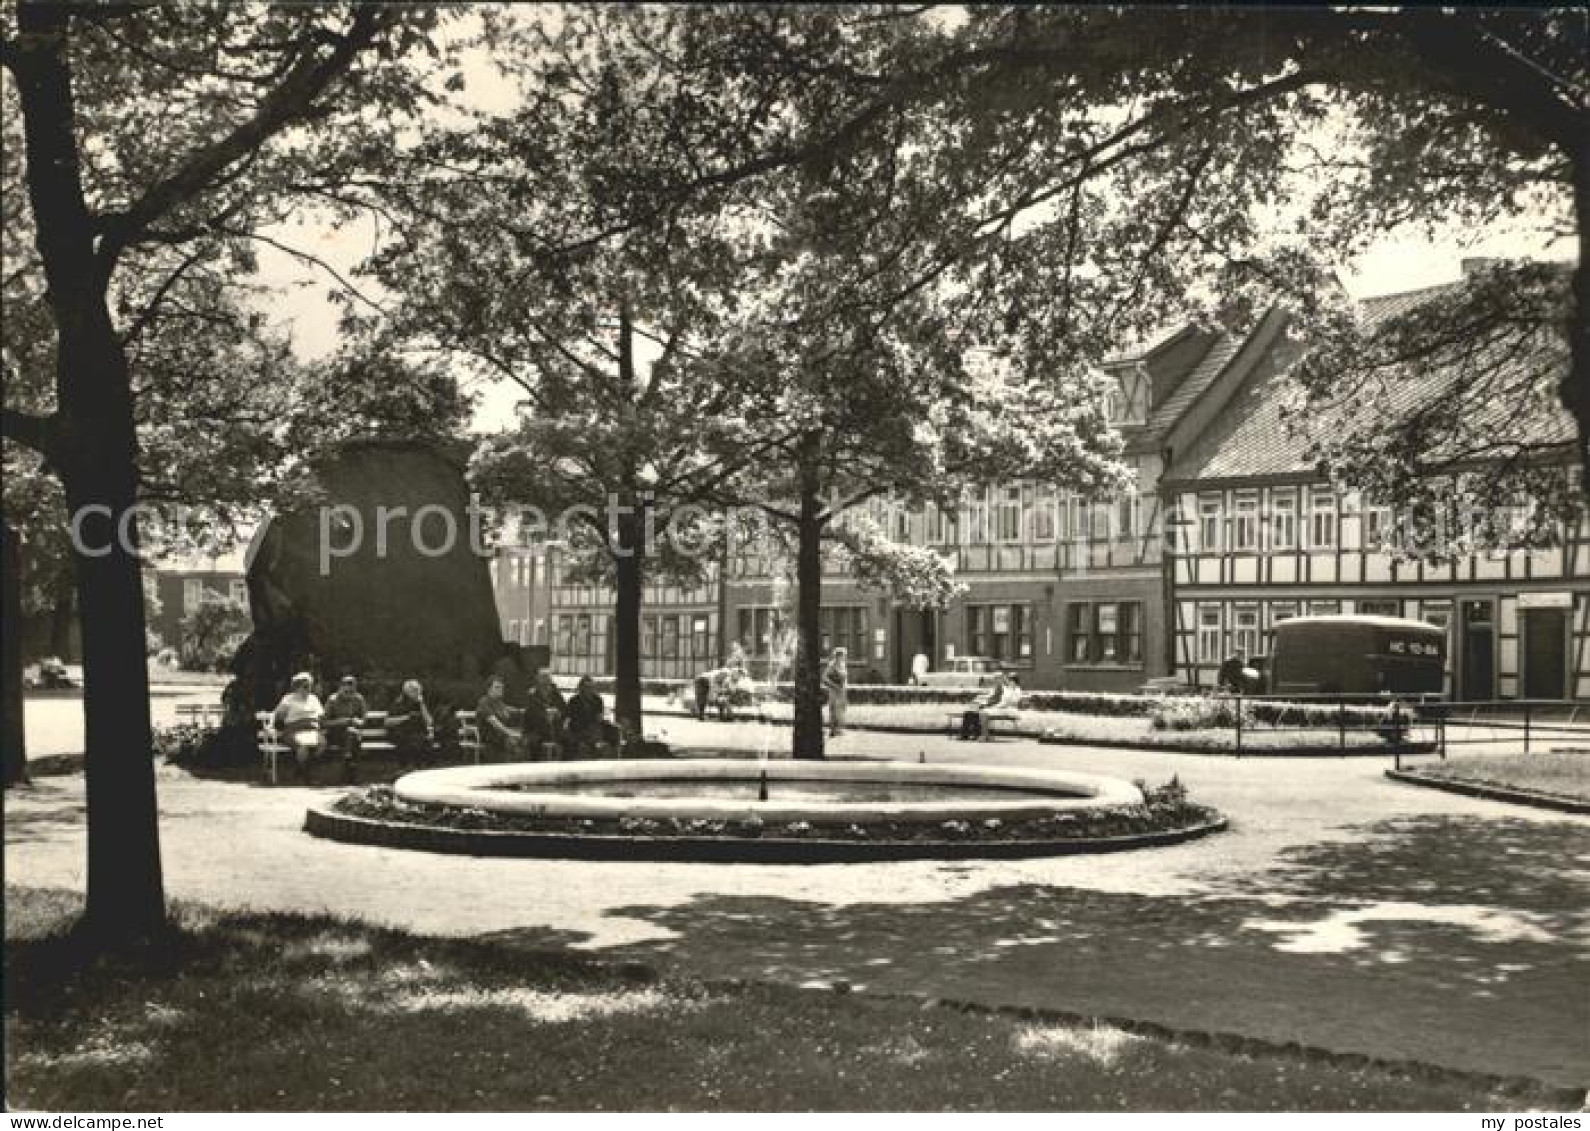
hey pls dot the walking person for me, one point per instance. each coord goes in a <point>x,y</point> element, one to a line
<point>836,684</point>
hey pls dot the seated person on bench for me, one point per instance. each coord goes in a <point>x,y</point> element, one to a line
<point>585,730</point>
<point>345,712</point>
<point>410,726</point>
<point>494,721</point>
<point>297,719</point>
<point>974,723</point>
<point>543,716</point>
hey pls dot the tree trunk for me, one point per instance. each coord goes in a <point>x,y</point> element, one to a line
<point>95,450</point>
<point>1575,387</point>
<point>13,734</point>
<point>628,579</point>
<point>62,615</point>
<point>808,738</point>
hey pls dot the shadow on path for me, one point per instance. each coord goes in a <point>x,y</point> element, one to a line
<point>1455,941</point>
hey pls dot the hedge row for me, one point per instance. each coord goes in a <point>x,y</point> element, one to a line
<point>1198,712</point>
<point>1077,702</point>
<point>1166,712</point>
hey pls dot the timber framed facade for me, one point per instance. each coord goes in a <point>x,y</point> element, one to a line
<point>1227,532</point>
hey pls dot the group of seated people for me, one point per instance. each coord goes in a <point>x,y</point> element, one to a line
<point>310,728</point>
<point>548,726</point>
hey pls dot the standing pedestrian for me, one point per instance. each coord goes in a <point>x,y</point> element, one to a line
<point>836,683</point>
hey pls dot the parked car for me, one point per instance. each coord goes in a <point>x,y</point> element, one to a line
<point>963,671</point>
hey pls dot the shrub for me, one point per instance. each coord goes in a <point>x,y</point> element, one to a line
<point>1219,712</point>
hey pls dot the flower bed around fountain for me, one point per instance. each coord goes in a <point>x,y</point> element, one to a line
<point>711,810</point>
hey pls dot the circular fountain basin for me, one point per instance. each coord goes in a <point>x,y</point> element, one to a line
<point>819,793</point>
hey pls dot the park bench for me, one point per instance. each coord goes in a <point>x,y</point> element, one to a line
<point>373,740</point>
<point>991,720</point>
<point>469,738</point>
<point>205,716</point>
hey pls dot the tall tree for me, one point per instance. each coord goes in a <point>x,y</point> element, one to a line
<point>531,247</point>
<point>182,127</point>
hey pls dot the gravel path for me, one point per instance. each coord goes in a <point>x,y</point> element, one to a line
<point>1341,910</point>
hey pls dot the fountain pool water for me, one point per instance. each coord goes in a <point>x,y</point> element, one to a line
<point>819,793</point>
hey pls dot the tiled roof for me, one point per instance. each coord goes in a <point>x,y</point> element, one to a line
<point>1249,437</point>
<point>1196,383</point>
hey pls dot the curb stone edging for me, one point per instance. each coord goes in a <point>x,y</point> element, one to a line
<point>1493,792</point>
<point>322,821</point>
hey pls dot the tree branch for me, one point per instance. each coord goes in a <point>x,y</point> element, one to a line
<point>290,102</point>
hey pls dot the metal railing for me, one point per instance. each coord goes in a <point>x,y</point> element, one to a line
<point>1405,724</point>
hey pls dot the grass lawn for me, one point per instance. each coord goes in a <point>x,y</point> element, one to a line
<point>262,1012</point>
<point>1562,774</point>
<point>1089,728</point>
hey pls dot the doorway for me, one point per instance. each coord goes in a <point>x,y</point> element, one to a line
<point>1545,653</point>
<point>1477,649</point>
<point>915,630</point>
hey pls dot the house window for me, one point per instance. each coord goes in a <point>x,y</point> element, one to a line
<point>1098,521</point>
<point>1009,521</point>
<point>1106,624</point>
<point>1078,628</point>
<point>1324,608</point>
<point>1131,632</point>
<point>1322,519</point>
<point>1245,524</point>
<point>1377,527</point>
<point>974,519</point>
<point>1067,516</point>
<point>1245,628</point>
<point>944,526</point>
<point>513,631</point>
<point>901,523</point>
<point>582,634</point>
<point>1125,516</point>
<point>238,591</point>
<point>700,636</point>
<point>670,637</point>
<point>563,625</point>
<point>1108,632</point>
<point>648,637</point>
<point>1388,607</point>
<point>759,629</point>
<point>1209,634</point>
<point>1209,526</point>
<point>192,593</point>
<point>1283,521</point>
<point>1000,632</point>
<point>844,626</point>
<point>1280,611</point>
<point>1043,508</point>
